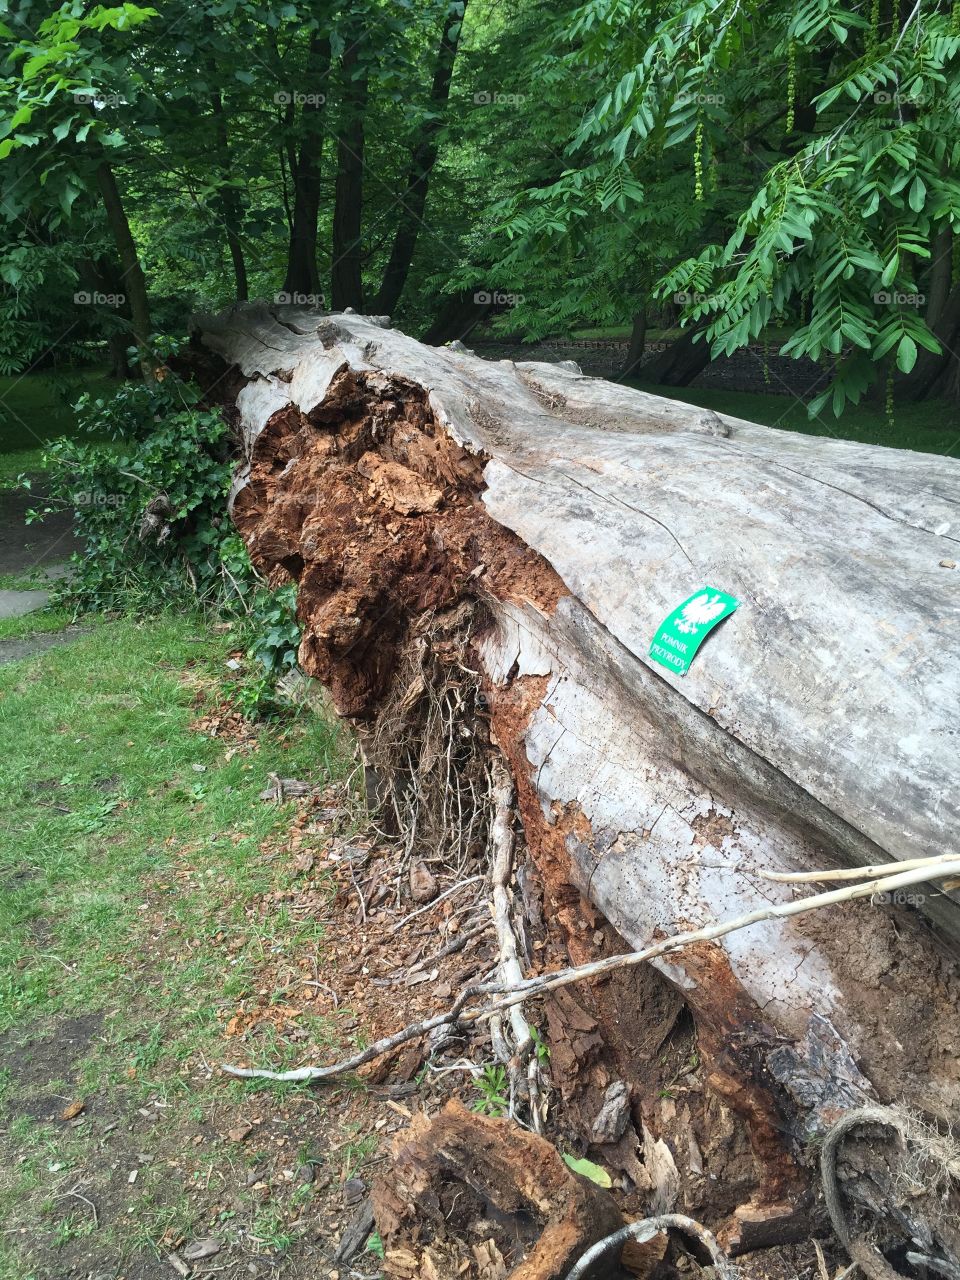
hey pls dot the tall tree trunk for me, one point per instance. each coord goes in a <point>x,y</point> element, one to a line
<point>102,275</point>
<point>134,281</point>
<point>117,349</point>
<point>638,342</point>
<point>941,272</point>
<point>681,362</point>
<point>345,272</point>
<point>229,198</point>
<point>460,315</point>
<point>937,374</point>
<point>410,217</point>
<point>303,276</point>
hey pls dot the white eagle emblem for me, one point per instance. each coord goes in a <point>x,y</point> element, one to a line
<point>699,611</point>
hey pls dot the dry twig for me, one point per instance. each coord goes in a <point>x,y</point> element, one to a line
<point>428,906</point>
<point>501,841</point>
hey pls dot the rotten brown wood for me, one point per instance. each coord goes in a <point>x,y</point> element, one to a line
<point>459,1177</point>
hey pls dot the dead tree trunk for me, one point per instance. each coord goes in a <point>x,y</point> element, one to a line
<point>556,520</point>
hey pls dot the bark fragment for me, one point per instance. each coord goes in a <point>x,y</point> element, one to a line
<point>460,1177</point>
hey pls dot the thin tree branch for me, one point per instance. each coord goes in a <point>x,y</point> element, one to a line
<point>500,996</point>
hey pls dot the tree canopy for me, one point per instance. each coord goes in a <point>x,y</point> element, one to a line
<point>755,171</point>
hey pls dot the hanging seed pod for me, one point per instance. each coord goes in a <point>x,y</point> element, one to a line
<point>791,83</point>
<point>873,38</point>
<point>698,162</point>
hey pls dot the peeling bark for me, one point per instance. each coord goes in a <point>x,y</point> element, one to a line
<point>397,483</point>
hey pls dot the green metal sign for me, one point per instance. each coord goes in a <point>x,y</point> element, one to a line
<point>682,632</point>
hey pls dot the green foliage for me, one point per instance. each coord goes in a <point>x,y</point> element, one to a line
<point>35,281</point>
<point>150,508</point>
<point>540,1047</point>
<point>272,634</point>
<point>836,236</point>
<point>587,1169</point>
<point>375,1245</point>
<point>744,167</point>
<point>277,632</point>
<point>491,1084</point>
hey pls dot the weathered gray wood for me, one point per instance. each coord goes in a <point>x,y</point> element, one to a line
<point>839,669</point>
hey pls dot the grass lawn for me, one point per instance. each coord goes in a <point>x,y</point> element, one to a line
<point>139,901</point>
<point>35,409</point>
<point>43,622</point>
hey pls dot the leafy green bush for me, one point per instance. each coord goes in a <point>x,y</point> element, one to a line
<point>272,634</point>
<point>147,480</point>
<point>277,631</point>
<point>149,506</point>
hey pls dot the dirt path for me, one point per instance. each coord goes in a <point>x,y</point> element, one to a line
<point>24,547</point>
<point>40,550</point>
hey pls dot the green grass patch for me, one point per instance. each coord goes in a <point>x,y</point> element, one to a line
<point>102,794</point>
<point>35,408</point>
<point>42,622</point>
<point>142,894</point>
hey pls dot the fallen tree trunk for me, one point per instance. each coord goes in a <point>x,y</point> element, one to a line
<point>531,528</point>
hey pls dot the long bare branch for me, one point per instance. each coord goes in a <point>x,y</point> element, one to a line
<point>498,996</point>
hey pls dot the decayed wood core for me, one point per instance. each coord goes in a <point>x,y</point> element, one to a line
<point>376,514</point>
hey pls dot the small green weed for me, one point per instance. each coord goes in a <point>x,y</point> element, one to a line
<point>491,1084</point>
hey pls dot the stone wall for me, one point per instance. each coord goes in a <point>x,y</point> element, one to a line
<point>745,370</point>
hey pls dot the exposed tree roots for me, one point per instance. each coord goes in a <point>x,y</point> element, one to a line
<point>430,747</point>
<point>931,1163</point>
<point>499,996</point>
